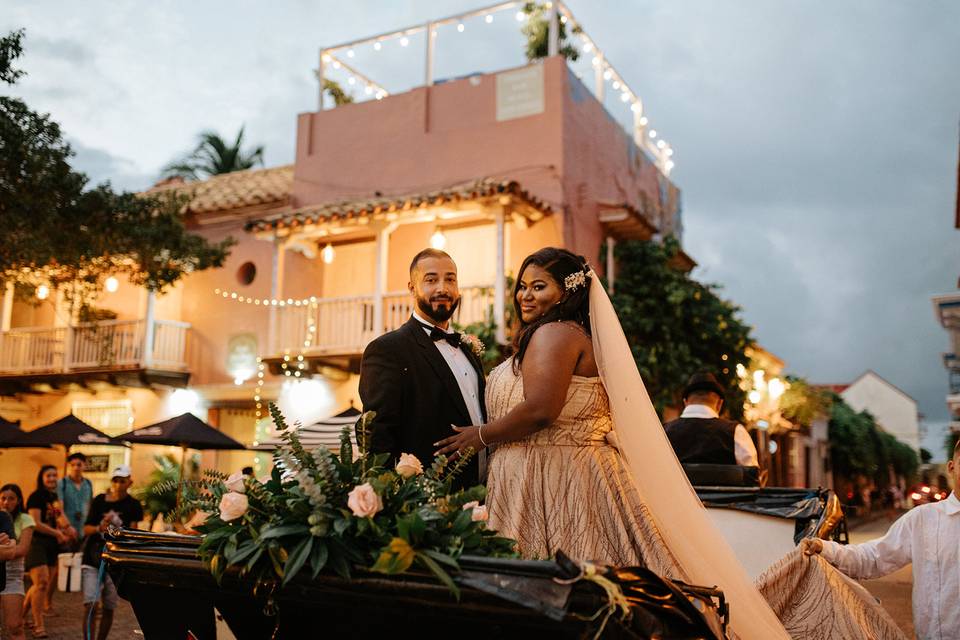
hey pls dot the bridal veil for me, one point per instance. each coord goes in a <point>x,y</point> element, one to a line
<point>697,544</point>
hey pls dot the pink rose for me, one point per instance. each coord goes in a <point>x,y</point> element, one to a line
<point>478,511</point>
<point>409,465</point>
<point>364,501</point>
<point>235,483</point>
<point>232,506</point>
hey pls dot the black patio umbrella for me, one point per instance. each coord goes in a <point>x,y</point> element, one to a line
<point>67,431</point>
<point>186,431</point>
<point>10,434</point>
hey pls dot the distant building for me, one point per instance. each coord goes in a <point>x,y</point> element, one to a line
<point>947,311</point>
<point>894,410</point>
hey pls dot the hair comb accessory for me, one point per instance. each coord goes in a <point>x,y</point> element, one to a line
<point>575,280</point>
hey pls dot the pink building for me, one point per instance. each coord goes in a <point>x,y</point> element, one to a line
<point>491,167</point>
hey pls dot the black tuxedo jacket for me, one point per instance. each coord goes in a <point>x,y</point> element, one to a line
<point>404,378</point>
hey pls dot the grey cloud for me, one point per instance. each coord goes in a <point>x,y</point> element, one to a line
<point>102,166</point>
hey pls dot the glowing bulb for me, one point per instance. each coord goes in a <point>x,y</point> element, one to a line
<point>377,46</point>
<point>643,121</point>
<point>404,41</point>
<point>669,152</point>
<point>607,74</point>
<point>775,388</point>
<point>43,292</point>
<point>336,64</point>
<point>661,144</point>
<point>368,90</point>
<point>521,16</point>
<point>489,18</point>
<point>596,61</point>
<point>351,80</point>
<point>616,84</point>
<point>758,378</point>
<point>111,284</point>
<point>563,19</point>
<point>636,107</point>
<point>327,254</point>
<point>350,53</point>
<point>587,47</point>
<point>624,97</point>
<point>438,240</point>
<point>326,57</point>
<point>754,396</point>
<point>460,27</point>
<point>653,133</point>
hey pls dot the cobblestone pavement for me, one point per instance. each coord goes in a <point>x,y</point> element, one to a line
<point>67,622</point>
<point>894,590</point>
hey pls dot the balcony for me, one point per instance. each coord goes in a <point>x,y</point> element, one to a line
<point>114,351</point>
<point>333,332</point>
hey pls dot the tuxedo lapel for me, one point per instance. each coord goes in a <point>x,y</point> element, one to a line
<point>439,366</point>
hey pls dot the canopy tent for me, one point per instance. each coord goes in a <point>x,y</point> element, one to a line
<point>10,434</point>
<point>186,431</point>
<point>325,433</point>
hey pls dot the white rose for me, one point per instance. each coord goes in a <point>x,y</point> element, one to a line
<point>364,501</point>
<point>235,483</point>
<point>478,512</point>
<point>409,465</point>
<point>232,506</point>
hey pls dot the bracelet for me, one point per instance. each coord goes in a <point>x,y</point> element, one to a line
<point>480,434</point>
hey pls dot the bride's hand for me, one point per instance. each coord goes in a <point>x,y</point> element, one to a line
<point>466,438</point>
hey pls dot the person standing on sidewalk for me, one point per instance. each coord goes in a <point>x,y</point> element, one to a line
<point>76,493</point>
<point>927,536</point>
<point>115,508</point>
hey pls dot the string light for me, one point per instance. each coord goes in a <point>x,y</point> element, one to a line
<point>643,121</point>
<point>653,133</point>
<point>489,18</point>
<point>404,41</point>
<point>43,292</point>
<point>521,16</point>
<point>460,27</point>
<point>327,254</point>
<point>111,284</point>
<point>350,53</point>
<point>266,302</point>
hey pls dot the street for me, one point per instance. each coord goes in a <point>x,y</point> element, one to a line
<point>893,590</point>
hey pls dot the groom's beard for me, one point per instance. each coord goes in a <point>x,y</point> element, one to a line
<point>438,308</point>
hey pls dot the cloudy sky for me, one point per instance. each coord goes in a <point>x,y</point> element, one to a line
<point>816,142</point>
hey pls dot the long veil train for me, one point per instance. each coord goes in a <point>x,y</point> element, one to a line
<point>697,544</point>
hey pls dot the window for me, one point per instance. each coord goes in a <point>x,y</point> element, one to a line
<point>247,273</point>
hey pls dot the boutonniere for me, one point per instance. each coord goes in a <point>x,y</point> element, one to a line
<point>475,344</point>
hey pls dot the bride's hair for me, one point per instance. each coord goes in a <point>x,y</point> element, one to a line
<point>574,305</point>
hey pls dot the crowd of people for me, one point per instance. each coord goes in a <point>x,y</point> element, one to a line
<point>61,515</point>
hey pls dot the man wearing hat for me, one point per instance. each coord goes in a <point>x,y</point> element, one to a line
<point>701,436</point>
<point>115,508</point>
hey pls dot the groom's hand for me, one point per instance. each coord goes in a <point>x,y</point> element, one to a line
<point>466,438</point>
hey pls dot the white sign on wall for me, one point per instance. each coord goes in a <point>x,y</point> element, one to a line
<point>520,93</point>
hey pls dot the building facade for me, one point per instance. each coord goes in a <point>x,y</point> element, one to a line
<point>490,167</point>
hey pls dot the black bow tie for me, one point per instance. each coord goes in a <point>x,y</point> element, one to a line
<point>436,334</point>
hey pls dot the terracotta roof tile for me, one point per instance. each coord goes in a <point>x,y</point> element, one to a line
<point>235,190</point>
<point>473,190</point>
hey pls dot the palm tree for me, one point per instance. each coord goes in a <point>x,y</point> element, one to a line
<point>213,156</point>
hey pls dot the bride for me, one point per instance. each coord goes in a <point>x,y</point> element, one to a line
<point>580,460</point>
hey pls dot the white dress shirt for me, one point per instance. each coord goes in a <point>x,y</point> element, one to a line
<point>929,537</point>
<point>743,447</point>
<point>462,370</point>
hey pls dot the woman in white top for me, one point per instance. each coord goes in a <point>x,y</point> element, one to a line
<point>11,598</point>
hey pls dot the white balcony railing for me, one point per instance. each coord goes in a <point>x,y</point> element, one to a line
<point>345,325</point>
<point>110,344</point>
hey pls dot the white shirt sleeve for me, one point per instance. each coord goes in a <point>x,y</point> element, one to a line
<point>875,558</point>
<point>744,449</point>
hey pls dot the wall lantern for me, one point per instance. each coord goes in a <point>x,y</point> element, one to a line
<point>328,254</point>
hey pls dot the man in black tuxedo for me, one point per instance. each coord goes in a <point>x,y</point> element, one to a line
<point>420,379</point>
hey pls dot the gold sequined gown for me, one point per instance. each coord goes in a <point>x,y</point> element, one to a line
<point>565,488</point>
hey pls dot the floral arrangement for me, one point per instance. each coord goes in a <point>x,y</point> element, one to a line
<point>476,344</point>
<point>320,511</point>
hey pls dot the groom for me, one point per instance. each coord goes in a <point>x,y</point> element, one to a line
<point>420,379</point>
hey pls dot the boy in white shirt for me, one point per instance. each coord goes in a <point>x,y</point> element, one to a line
<point>927,536</point>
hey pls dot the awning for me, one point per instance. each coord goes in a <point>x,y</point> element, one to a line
<point>325,433</point>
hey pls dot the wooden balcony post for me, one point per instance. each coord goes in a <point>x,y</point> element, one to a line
<point>383,231</point>
<point>500,281</point>
<point>276,293</point>
<point>148,330</point>
<point>7,314</point>
<point>431,43</point>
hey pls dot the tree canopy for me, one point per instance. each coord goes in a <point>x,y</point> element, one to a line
<point>677,326</point>
<point>213,156</point>
<point>61,234</point>
<point>859,447</point>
